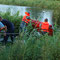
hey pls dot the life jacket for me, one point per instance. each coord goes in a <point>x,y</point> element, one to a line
<point>45,26</point>
<point>25,19</point>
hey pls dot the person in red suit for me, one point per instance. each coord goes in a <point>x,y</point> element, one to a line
<point>50,33</point>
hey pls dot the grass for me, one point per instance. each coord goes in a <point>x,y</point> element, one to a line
<point>31,46</point>
<point>49,4</point>
<point>36,48</point>
<point>37,3</point>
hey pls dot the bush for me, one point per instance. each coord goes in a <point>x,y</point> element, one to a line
<point>15,19</point>
<point>35,47</point>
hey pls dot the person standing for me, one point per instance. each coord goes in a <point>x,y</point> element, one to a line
<point>25,20</point>
<point>10,30</point>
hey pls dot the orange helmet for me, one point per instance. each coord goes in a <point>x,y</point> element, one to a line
<point>27,13</point>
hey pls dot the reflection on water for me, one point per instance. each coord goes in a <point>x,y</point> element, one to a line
<point>41,15</point>
<point>13,9</point>
<point>36,13</point>
<point>48,15</point>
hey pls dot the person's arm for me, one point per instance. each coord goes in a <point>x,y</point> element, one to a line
<point>3,28</point>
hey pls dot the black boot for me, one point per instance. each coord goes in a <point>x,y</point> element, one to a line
<point>12,39</point>
<point>5,40</point>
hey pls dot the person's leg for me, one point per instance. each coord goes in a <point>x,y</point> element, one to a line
<point>5,39</point>
<point>12,38</point>
<point>12,35</point>
<point>43,33</point>
<point>22,26</point>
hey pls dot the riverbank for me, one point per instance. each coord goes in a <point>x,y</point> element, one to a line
<point>33,3</point>
<point>52,5</point>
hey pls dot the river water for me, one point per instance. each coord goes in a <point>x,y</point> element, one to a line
<point>36,12</point>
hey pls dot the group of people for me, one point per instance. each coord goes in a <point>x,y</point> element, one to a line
<point>8,29</point>
<point>42,27</point>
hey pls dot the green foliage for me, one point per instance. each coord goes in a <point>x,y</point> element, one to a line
<point>29,27</point>
<point>29,45</point>
<point>15,19</point>
<point>33,47</point>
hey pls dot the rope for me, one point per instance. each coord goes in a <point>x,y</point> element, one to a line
<point>8,33</point>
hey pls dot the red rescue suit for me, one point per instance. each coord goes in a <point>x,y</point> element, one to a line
<point>50,31</point>
<point>25,19</point>
<point>45,26</point>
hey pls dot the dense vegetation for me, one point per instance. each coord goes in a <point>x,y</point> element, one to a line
<point>30,45</point>
<point>37,48</point>
<point>27,48</point>
<point>15,19</point>
<point>38,3</point>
